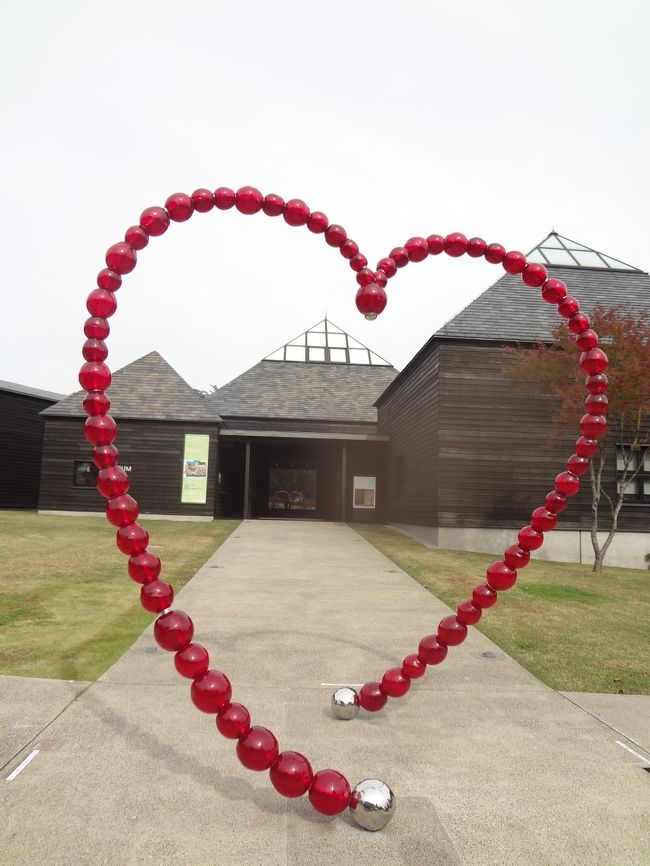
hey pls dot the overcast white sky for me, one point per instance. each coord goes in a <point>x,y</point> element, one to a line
<point>499,119</point>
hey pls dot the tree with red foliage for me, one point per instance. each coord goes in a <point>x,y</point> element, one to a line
<point>553,369</point>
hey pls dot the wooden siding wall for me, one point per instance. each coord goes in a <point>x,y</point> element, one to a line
<point>21,446</point>
<point>367,459</point>
<point>409,415</point>
<point>153,450</point>
<point>297,425</point>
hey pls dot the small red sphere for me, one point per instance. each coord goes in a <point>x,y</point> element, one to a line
<point>154,221</point>
<point>258,749</point>
<point>516,557</point>
<point>112,481</point>
<point>529,538</point>
<point>594,361</point>
<point>108,279</point>
<point>597,404</point>
<point>543,520</point>
<point>484,596</point>
<point>211,692</point>
<point>121,258</point>
<point>348,249</point>
<point>435,245</point>
<point>192,662</point>
<point>291,774</point>
<point>388,266</point>
<point>371,300</point>
<point>358,262</point>
<point>586,447</point>
<point>100,429</point>
<point>596,384</point>
<point>296,212</point>
<point>578,465</point>
<point>394,683</point>
<point>173,631</point>
<point>514,262</point>
<point>476,248</point>
<point>413,667</point>
<point>273,205</point>
<point>144,567</point>
<point>416,249</point>
<point>451,632</point>
<point>105,455</point>
<point>431,651</point>
<point>102,303</point>
<point>335,235</point>
<point>136,237</point>
<point>132,539</point>
<point>372,697</point>
<point>224,198</point>
<point>468,613</point>
<point>381,279</point>
<point>317,222</point>
<point>495,254</point>
<point>534,275</point>
<point>568,307</point>
<point>96,328</point>
<point>94,350</point>
<point>578,323</point>
<point>329,792</point>
<point>554,291</point>
<point>179,207</point>
<point>122,510</point>
<point>456,244</point>
<point>500,577</point>
<point>234,721</point>
<point>156,596</point>
<point>399,256</point>
<point>202,200</point>
<point>587,340</point>
<point>96,403</point>
<point>555,501</point>
<point>593,426</point>
<point>365,276</point>
<point>248,200</point>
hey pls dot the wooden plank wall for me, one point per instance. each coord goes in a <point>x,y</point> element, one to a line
<point>153,450</point>
<point>21,445</point>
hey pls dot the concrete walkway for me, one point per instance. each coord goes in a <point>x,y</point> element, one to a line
<point>489,766</point>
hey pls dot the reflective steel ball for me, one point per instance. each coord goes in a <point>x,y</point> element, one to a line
<point>372,804</point>
<point>345,703</point>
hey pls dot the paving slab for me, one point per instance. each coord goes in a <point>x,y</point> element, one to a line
<point>488,764</point>
<point>627,714</point>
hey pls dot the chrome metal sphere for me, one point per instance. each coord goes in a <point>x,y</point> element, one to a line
<point>345,703</point>
<point>372,804</point>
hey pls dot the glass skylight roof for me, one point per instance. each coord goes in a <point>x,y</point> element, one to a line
<point>557,250</point>
<point>325,343</point>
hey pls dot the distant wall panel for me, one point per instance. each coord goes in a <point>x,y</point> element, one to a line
<point>21,444</point>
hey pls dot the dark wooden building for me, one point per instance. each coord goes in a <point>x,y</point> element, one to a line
<point>21,443</point>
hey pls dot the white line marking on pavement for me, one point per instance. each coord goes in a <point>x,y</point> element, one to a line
<point>22,766</point>
<point>632,752</point>
<point>341,685</point>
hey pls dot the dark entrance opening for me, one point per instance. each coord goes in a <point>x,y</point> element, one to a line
<point>232,469</point>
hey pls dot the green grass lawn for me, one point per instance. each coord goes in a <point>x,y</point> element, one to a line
<point>574,630</point>
<point>68,608</point>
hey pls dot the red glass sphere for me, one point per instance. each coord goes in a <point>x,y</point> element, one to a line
<point>96,403</point>
<point>108,279</point>
<point>273,205</point>
<point>534,275</point>
<point>484,596</point>
<point>568,307</point>
<point>514,262</point>
<point>555,501</point>
<point>144,567</point>
<point>122,510</point>
<point>248,200</point>
<point>594,361</point>
<point>192,662</point>
<point>202,200</point>
<point>132,539</point>
<point>100,429</point>
<point>476,248</point>
<point>211,692</point>
<point>597,404</point>
<point>416,249</point>
<point>554,291</point>
<point>317,222</point>
<point>358,262</point>
<point>413,667</point>
<point>224,198</point>
<point>296,212</point>
<point>94,350</point>
<point>329,792</point>
<point>435,245</point>
<point>450,631</point>
<point>173,631</point>
<point>156,596</point>
<point>94,376</point>
<point>96,328</point>
<point>587,340</point>
<point>468,613</point>
<point>394,683</point>
<point>495,254</point>
<point>372,697</point>
<point>102,303</point>
<point>388,266</point>
<point>112,481</point>
<point>121,258</point>
<point>586,447</point>
<point>431,651</point>
<point>456,244</point>
<point>529,538</point>
<point>371,300</point>
<point>335,235</point>
<point>258,749</point>
<point>500,577</point>
<point>154,221</point>
<point>136,237</point>
<point>593,426</point>
<point>105,455</point>
<point>516,557</point>
<point>348,249</point>
<point>291,774</point>
<point>399,256</point>
<point>365,276</point>
<point>578,465</point>
<point>543,520</point>
<point>578,323</point>
<point>597,384</point>
<point>179,207</point>
<point>234,721</point>
<point>381,279</point>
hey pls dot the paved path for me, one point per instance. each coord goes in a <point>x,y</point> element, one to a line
<point>489,766</point>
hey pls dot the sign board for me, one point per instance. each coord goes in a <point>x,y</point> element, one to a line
<point>195,469</point>
<point>364,491</point>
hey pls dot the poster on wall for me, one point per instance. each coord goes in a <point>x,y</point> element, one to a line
<point>363,491</point>
<point>195,469</point>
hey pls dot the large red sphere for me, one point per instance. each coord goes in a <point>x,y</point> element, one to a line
<point>484,596</point>
<point>156,596</point>
<point>500,576</point>
<point>112,481</point>
<point>202,200</point>
<point>388,266</point>
<point>543,520</point>
<point>96,403</point>
<point>317,222</point>
<point>136,237</point>
<point>394,683</point>
<point>456,244</point>
<point>179,207</point>
<point>291,774</point>
<point>372,697</point>
<point>468,613</point>
<point>108,279</point>
<point>94,350</point>
<point>173,631</point>
<point>476,247</point>
<point>296,212</point>
<point>495,254</point>
<point>529,538</point>
<point>335,235</point>
<point>593,426</point>
<point>371,300</point>
<point>258,749</point>
<point>416,249</point>
<point>132,539</point>
<point>248,200</point>
<point>211,692</point>
<point>100,429</point>
<point>516,557</point>
<point>567,483</point>
<point>273,205</point>
<point>451,632</point>
<point>413,667</point>
<point>96,328</point>
<point>534,275</point>
<point>144,567</point>
<point>399,256</point>
<point>554,291</point>
<point>594,361</point>
<point>329,793</point>
<point>105,455</point>
<point>102,303</point>
<point>121,258</point>
<point>234,721</point>
<point>514,262</point>
<point>224,198</point>
<point>122,510</point>
<point>94,376</point>
<point>154,221</point>
<point>192,662</point>
<point>431,651</point>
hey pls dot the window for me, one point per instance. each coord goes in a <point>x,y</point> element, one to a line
<point>398,478</point>
<point>638,464</point>
<point>84,474</point>
<point>364,489</point>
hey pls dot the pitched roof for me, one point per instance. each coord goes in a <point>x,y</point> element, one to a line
<point>508,310</point>
<point>148,388</point>
<point>14,388</point>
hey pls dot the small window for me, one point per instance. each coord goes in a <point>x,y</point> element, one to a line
<point>85,474</point>
<point>638,489</point>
